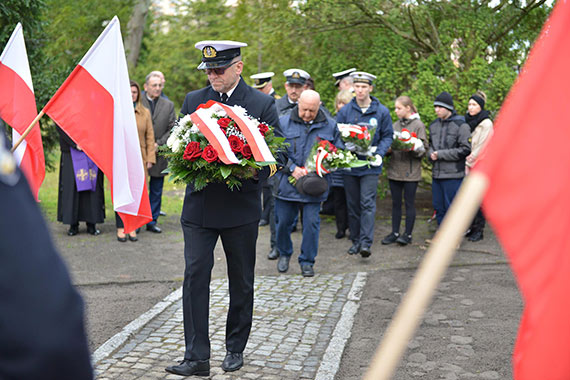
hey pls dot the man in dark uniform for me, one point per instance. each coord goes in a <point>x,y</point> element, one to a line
<point>42,334</point>
<point>262,81</point>
<point>294,85</point>
<point>216,211</point>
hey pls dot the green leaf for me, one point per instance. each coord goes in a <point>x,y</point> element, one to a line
<point>226,170</point>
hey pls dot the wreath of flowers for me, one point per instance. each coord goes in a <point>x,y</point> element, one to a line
<point>192,159</point>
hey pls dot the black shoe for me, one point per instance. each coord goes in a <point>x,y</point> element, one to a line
<point>132,238</point>
<point>476,236</point>
<point>122,239</point>
<point>469,232</point>
<point>365,252</point>
<point>190,367</point>
<point>91,230</point>
<point>162,213</point>
<point>404,239</point>
<point>340,234</point>
<point>233,361</point>
<point>263,222</point>
<point>73,230</point>
<point>354,249</point>
<point>283,263</point>
<point>307,270</point>
<point>389,239</point>
<point>273,254</point>
<point>153,228</point>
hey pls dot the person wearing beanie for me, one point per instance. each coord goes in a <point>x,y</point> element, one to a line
<point>481,128</point>
<point>448,147</point>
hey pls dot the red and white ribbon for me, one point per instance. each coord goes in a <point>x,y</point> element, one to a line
<point>321,155</point>
<point>250,130</point>
<point>350,128</point>
<point>209,127</point>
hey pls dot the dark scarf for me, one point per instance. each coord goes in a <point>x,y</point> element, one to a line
<point>474,121</point>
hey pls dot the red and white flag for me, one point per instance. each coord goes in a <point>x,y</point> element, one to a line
<point>18,108</point>
<point>528,202</point>
<point>94,107</point>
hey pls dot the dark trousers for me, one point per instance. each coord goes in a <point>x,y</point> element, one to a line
<point>409,191</point>
<point>443,192</point>
<point>361,203</point>
<point>155,196</point>
<point>340,210</point>
<point>239,247</point>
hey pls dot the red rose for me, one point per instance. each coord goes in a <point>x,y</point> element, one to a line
<point>209,154</point>
<point>263,128</point>
<point>246,151</point>
<point>224,122</point>
<point>360,136</point>
<point>192,151</point>
<point>235,143</point>
<point>352,134</point>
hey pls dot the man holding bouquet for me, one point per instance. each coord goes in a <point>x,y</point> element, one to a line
<point>360,183</point>
<point>302,127</point>
<point>216,211</point>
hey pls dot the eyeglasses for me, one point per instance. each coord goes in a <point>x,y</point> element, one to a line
<point>220,70</point>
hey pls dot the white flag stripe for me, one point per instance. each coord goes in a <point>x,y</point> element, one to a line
<point>106,63</point>
<point>17,60</point>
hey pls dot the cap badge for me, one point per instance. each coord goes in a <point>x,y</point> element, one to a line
<point>296,75</point>
<point>209,52</point>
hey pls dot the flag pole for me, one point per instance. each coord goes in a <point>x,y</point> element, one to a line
<point>428,276</point>
<point>27,131</point>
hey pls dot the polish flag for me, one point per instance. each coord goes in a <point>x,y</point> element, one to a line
<point>94,107</point>
<point>18,109</point>
<point>527,200</point>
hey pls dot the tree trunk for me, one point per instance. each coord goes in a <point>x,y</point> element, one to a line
<point>135,30</point>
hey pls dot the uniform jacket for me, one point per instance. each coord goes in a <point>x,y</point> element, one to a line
<point>146,134</point>
<point>377,115</point>
<point>450,138</point>
<point>407,166</point>
<point>162,122</point>
<point>284,106</point>
<point>482,132</point>
<point>216,206</point>
<point>42,331</point>
<point>301,137</point>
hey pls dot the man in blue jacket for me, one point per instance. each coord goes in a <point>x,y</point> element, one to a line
<point>360,183</point>
<point>306,123</point>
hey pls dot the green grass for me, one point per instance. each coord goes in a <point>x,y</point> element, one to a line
<point>172,197</point>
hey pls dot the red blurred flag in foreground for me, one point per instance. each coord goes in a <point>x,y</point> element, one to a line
<point>528,199</point>
<point>94,107</point>
<point>18,108</point>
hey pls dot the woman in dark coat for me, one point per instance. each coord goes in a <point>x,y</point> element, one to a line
<point>77,206</point>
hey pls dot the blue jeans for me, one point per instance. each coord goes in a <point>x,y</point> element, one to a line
<point>443,191</point>
<point>285,214</point>
<point>155,196</point>
<point>361,204</point>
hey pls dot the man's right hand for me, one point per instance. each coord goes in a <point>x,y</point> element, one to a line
<point>299,172</point>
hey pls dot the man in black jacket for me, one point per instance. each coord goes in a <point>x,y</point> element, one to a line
<point>216,211</point>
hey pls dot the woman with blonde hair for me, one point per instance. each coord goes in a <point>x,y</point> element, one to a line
<point>148,150</point>
<point>404,171</point>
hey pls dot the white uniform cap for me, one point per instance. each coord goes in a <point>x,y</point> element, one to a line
<point>218,53</point>
<point>296,76</point>
<point>362,77</point>
<point>261,79</point>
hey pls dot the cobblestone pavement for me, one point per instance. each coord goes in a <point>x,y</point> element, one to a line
<point>300,327</point>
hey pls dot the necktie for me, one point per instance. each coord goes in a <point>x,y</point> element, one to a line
<point>224,97</point>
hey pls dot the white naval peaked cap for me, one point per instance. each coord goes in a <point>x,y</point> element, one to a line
<point>296,76</point>
<point>342,74</point>
<point>362,77</point>
<point>260,79</point>
<point>218,53</point>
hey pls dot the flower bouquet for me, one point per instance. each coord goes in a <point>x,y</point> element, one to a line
<point>325,157</point>
<point>406,141</point>
<point>357,138</point>
<point>219,143</point>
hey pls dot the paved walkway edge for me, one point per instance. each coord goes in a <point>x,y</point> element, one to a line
<point>331,359</point>
<point>118,339</point>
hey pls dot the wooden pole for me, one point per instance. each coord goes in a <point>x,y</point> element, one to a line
<point>428,276</point>
<point>27,131</point>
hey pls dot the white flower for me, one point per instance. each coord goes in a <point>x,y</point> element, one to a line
<point>345,133</point>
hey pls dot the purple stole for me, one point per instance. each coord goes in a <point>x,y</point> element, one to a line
<point>85,170</point>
